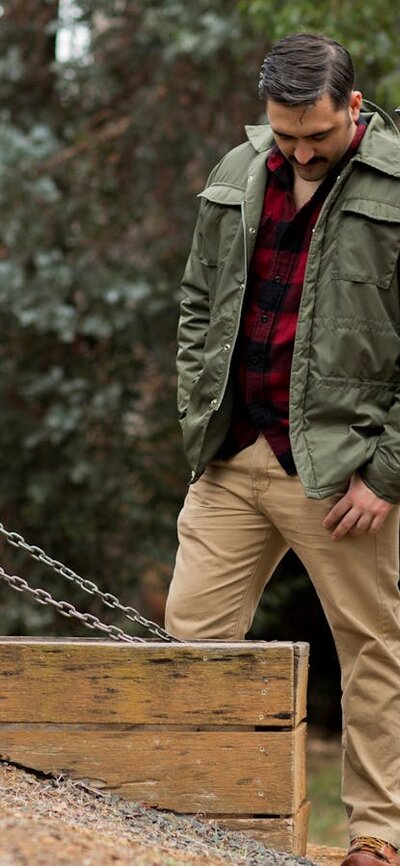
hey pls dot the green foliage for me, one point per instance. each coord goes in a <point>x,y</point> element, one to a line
<point>328,824</point>
<point>368,28</point>
<point>98,174</point>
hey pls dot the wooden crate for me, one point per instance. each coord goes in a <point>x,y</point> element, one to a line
<point>206,728</point>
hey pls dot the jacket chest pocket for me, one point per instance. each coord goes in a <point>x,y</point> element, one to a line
<point>221,222</point>
<point>368,242</point>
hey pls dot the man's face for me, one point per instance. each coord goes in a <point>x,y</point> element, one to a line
<point>314,138</point>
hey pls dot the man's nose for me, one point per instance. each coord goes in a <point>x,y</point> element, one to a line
<point>303,152</point>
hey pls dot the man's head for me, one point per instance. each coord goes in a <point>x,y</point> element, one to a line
<point>306,82</point>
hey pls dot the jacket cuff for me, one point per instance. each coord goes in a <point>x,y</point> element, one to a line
<point>381,478</point>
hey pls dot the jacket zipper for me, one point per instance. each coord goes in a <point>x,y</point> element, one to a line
<point>244,239</point>
<point>331,198</point>
<point>332,195</point>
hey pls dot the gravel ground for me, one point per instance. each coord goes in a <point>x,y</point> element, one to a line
<point>46,821</point>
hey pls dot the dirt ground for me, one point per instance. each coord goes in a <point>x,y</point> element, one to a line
<point>58,822</point>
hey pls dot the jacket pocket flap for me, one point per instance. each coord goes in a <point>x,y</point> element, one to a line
<point>222,193</point>
<point>375,210</point>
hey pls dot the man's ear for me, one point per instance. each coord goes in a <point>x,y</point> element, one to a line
<point>355,104</point>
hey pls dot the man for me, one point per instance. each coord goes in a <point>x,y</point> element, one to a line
<point>289,398</point>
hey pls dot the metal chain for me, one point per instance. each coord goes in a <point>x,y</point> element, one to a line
<point>67,609</point>
<point>110,600</point>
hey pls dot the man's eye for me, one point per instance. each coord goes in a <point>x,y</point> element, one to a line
<point>319,136</point>
<point>285,137</point>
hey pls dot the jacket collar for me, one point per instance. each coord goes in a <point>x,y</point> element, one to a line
<point>380,147</point>
<point>260,136</point>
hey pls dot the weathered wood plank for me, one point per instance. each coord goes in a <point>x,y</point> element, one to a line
<point>281,834</point>
<point>213,772</point>
<point>210,683</point>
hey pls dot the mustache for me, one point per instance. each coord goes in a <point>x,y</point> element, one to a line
<point>315,160</point>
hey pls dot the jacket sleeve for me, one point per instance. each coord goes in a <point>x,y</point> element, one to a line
<point>194,316</point>
<point>382,473</point>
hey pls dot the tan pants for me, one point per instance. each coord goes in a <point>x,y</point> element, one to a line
<point>237,522</point>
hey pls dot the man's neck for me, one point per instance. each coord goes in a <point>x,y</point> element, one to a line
<point>303,190</point>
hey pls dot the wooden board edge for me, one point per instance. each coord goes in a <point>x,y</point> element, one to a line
<point>299,765</point>
<point>301,665</point>
<point>198,645</point>
<point>300,829</point>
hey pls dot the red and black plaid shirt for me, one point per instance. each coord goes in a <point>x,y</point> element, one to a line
<point>263,354</point>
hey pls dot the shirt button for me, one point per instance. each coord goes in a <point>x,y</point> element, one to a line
<point>265,317</point>
<point>277,279</point>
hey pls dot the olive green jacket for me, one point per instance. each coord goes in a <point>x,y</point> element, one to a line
<point>345,380</point>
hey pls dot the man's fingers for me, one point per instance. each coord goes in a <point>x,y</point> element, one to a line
<point>346,524</point>
<point>337,512</point>
<point>376,523</point>
<point>360,510</point>
<point>363,525</point>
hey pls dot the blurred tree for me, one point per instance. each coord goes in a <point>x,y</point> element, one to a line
<point>368,28</point>
<point>98,169</point>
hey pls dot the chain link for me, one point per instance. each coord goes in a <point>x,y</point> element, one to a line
<point>41,596</point>
<point>89,586</point>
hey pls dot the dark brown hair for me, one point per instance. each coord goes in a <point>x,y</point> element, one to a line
<point>302,67</point>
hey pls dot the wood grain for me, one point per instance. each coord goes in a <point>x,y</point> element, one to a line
<point>202,727</point>
<point>212,772</point>
<point>212,683</point>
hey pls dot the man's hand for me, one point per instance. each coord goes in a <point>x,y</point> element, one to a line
<point>359,510</point>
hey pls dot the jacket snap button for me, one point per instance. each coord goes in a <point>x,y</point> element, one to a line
<point>213,402</point>
<point>252,230</point>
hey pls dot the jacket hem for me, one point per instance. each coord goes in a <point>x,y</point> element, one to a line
<point>324,492</point>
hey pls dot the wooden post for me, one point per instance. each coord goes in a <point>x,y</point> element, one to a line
<point>205,728</point>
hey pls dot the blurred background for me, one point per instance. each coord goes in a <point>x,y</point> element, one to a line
<point>112,114</point>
